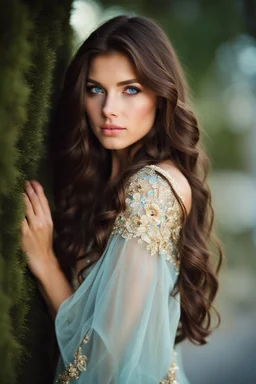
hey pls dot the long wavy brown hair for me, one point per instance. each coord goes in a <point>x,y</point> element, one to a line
<point>87,202</point>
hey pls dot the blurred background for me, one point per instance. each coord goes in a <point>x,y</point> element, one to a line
<point>216,45</point>
<point>215,42</point>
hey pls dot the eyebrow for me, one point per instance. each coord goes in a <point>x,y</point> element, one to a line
<point>118,84</point>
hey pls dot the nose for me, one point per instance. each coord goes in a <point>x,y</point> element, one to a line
<point>110,106</point>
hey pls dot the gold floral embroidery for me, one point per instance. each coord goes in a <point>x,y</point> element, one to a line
<point>171,377</point>
<point>72,371</point>
<point>152,213</point>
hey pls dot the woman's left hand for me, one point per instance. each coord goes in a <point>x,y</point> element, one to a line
<point>37,230</point>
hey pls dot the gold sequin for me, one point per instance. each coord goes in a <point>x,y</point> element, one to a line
<point>152,213</point>
<point>72,371</point>
<point>171,377</point>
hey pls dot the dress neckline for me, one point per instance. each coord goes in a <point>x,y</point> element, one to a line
<point>170,178</point>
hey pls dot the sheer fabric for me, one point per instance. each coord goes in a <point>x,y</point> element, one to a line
<point>119,326</point>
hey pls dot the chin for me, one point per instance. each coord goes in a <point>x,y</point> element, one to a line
<point>112,146</point>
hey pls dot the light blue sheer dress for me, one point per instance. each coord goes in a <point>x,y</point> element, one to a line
<point>119,325</point>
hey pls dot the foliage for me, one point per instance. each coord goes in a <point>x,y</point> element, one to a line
<point>32,36</point>
<point>14,93</point>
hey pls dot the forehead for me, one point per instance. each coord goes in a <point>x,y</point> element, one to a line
<point>114,64</point>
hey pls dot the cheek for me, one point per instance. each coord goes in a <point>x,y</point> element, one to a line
<point>91,107</point>
<point>144,111</point>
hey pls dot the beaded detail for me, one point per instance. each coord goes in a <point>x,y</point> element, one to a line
<point>152,213</point>
<point>170,178</point>
<point>72,371</point>
<point>171,377</point>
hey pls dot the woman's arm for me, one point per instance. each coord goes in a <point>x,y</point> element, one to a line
<point>119,327</point>
<point>36,242</point>
<point>54,286</point>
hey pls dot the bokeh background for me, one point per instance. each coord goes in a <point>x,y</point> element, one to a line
<point>215,42</point>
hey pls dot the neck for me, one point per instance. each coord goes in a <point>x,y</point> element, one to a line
<point>121,158</point>
<point>119,161</point>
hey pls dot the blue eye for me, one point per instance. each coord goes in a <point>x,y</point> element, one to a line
<point>132,90</point>
<point>94,89</point>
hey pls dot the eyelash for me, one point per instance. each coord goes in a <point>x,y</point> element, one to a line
<point>90,88</point>
<point>132,87</point>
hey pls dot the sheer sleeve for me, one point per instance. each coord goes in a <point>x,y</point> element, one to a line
<point>119,326</point>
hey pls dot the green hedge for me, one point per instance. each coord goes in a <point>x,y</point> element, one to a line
<point>35,46</point>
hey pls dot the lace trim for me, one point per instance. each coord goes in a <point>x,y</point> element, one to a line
<point>152,214</point>
<point>73,370</point>
<point>171,377</point>
<point>171,179</point>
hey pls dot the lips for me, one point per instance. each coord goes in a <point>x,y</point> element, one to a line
<point>111,127</point>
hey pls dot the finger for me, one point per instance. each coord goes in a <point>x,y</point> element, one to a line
<point>43,199</point>
<point>38,211</point>
<point>24,226</point>
<point>29,209</point>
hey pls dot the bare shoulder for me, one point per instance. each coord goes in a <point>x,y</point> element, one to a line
<point>181,181</point>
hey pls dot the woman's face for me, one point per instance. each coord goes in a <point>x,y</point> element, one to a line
<point>115,98</point>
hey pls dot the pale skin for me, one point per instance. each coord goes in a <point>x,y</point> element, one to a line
<point>36,242</point>
<point>114,96</point>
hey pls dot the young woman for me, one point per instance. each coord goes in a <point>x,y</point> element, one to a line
<point>129,275</point>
